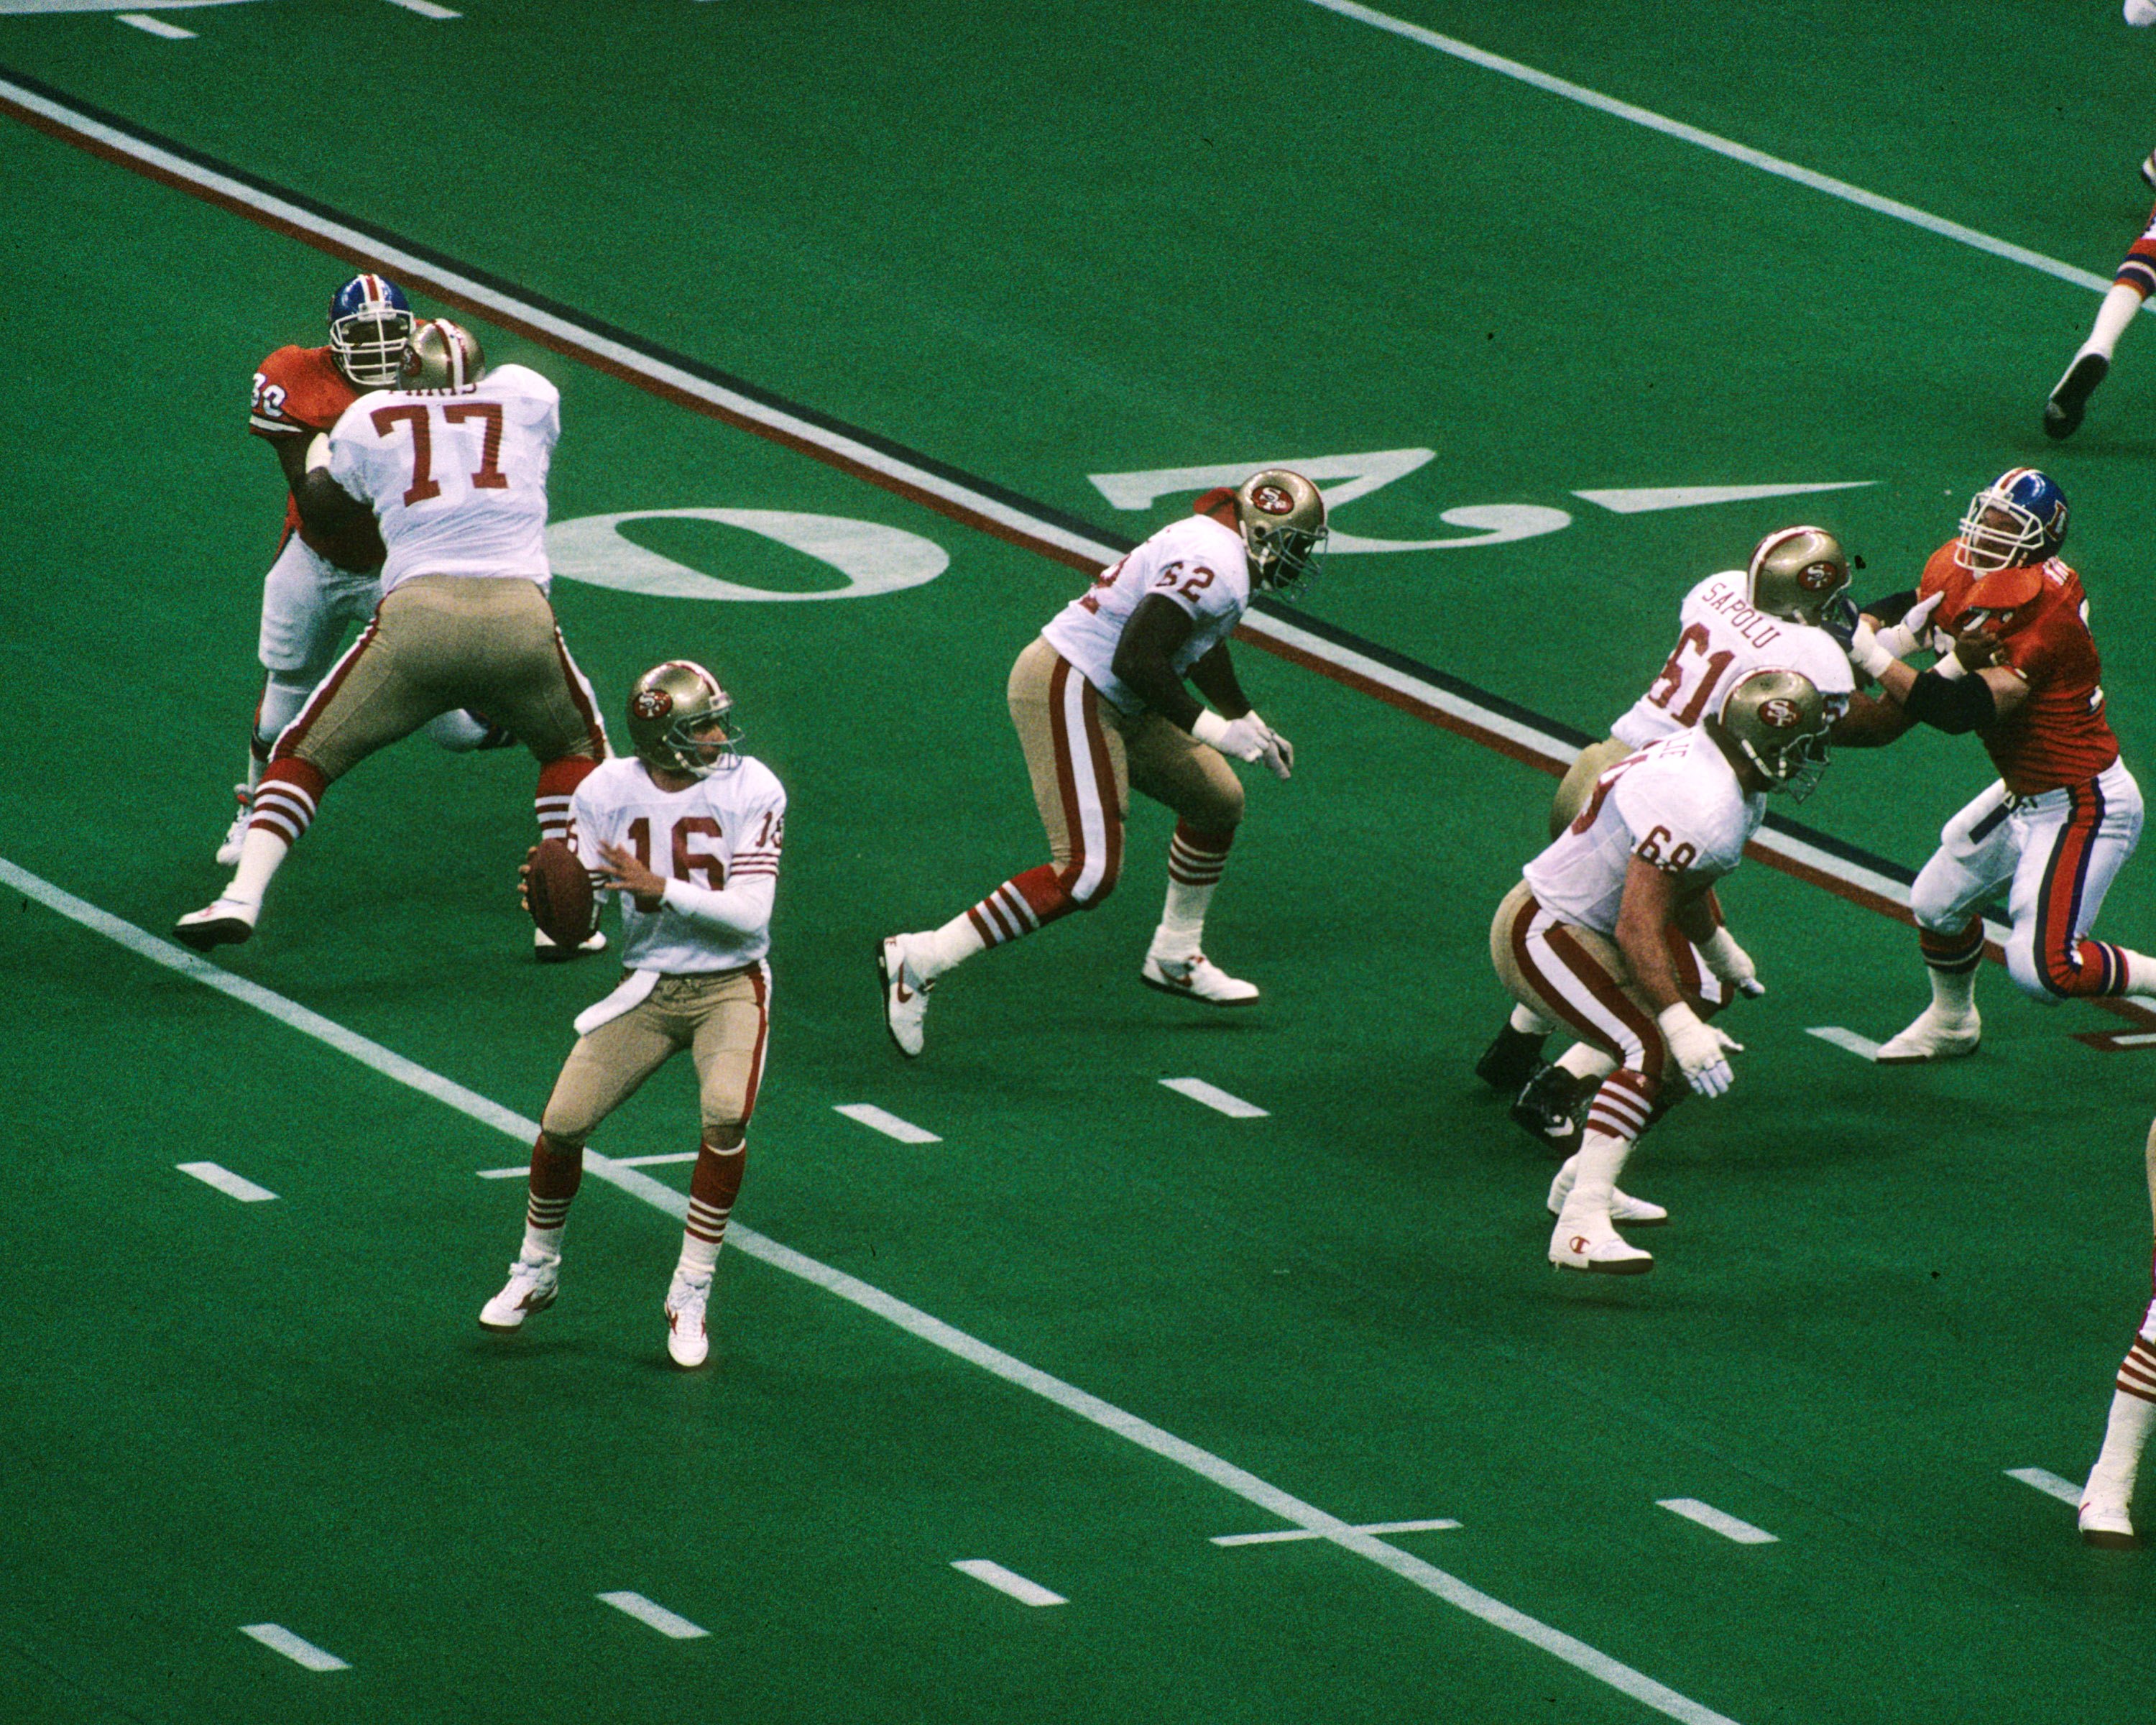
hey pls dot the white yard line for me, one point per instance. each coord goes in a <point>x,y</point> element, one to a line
<point>210,1174</point>
<point>1734,151</point>
<point>426,8</point>
<point>1198,1091</point>
<point>1008,1581</point>
<point>2050,1484</point>
<point>889,1125</point>
<point>667,1623</point>
<point>1863,1047</point>
<point>1707,1516</point>
<point>1141,1433</point>
<point>280,1640</point>
<point>1280,1536</point>
<point>157,27</point>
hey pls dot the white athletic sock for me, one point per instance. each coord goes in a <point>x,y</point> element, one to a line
<point>699,1258</point>
<point>261,852</point>
<point>542,1244</point>
<point>2112,319</point>
<point>1600,1160</point>
<point>1530,1023</point>
<point>2140,978</point>
<point>1955,991</point>
<point>1181,930</point>
<point>2111,1480</point>
<point>950,945</point>
<point>1584,1060</point>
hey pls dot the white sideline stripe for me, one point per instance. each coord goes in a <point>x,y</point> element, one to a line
<point>523,1168</point>
<point>1720,146</point>
<point>1007,1581</point>
<point>280,1640</point>
<point>2049,1483</point>
<point>1430,700</point>
<point>1280,1534</point>
<point>246,1191</point>
<point>1863,1047</point>
<point>2140,1039</point>
<point>1644,501</point>
<point>1198,1091</point>
<point>426,8</point>
<point>644,1610</point>
<point>889,1125</point>
<point>1707,1516</point>
<point>915,1321</point>
<point>170,33</point>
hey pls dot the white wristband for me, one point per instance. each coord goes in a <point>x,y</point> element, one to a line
<point>1676,1018</point>
<point>1950,669</point>
<point>1208,727</point>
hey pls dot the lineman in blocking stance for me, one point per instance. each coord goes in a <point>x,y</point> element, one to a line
<point>323,581</point>
<point>688,831</point>
<point>1592,935</point>
<point>454,463</point>
<point>1773,613</point>
<point>1099,702</point>
<point>2018,667</point>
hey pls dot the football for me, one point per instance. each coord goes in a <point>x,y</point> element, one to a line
<point>558,893</point>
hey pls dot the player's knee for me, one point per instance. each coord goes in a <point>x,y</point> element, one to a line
<point>724,1133</point>
<point>565,1128</point>
<point>2047,979</point>
<point>1088,888</point>
<point>1935,902</point>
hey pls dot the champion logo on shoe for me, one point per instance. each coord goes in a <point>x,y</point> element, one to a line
<point>1579,1244</point>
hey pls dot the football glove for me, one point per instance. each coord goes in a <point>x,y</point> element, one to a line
<point>1248,738</point>
<point>1701,1051</point>
<point>1731,963</point>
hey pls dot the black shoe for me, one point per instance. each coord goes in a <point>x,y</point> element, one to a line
<point>1511,1060</point>
<point>2062,413</point>
<point>1548,1106</point>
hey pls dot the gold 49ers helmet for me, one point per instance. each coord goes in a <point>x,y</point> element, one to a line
<point>441,355</point>
<point>1796,574</point>
<point>1777,720</point>
<point>680,720</point>
<point>1282,516</point>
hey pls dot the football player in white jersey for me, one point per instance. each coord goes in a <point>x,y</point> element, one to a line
<point>687,832</point>
<point>453,465</point>
<point>1101,708</point>
<point>1774,612</point>
<point>1593,934</point>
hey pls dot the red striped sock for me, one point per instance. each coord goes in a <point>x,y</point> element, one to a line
<point>2137,1372</point>
<point>558,780</point>
<point>556,1171</point>
<point>1021,905</point>
<point>285,801</point>
<point>1623,1106</point>
<point>712,1189</point>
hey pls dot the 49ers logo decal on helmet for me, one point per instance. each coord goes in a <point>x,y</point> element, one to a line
<point>1780,712</point>
<point>1273,499</point>
<point>1818,577</point>
<point>652,704</point>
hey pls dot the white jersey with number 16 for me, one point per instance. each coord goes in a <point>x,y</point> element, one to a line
<point>457,477</point>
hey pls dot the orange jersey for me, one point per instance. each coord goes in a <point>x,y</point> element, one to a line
<point>298,392</point>
<point>2059,735</point>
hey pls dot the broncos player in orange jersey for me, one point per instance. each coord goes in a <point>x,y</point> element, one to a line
<point>325,581</point>
<point>2020,668</point>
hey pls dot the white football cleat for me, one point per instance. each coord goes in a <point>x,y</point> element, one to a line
<point>224,923</point>
<point>1935,1035</point>
<point>531,1288</point>
<point>544,949</point>
<point>1195,977</point>
<point>905,995</point>
<point>2107,1524</point>
<point>1586,1240</point>
<point>688,1342</point>
<point>1633,1212</point>
<point>227,852</point>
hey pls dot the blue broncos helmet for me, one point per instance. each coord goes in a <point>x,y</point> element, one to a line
<point>370,321</point>
<point>2018,519</point>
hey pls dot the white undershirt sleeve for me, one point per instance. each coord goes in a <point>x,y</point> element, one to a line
<point>743,908</point>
